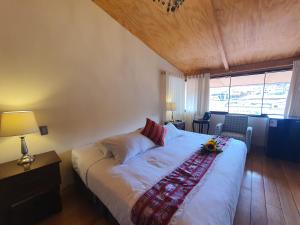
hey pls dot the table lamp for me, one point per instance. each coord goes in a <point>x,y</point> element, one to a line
<point>171,106</point>
<point>19,123</point>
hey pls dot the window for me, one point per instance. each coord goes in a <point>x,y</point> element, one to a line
<point>253,94</point>
<point>219,94</point>
<point>276,91</point>
<point>246,93</point>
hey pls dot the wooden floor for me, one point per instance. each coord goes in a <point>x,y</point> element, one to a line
<point>270,195</point>
<point>270,192</point>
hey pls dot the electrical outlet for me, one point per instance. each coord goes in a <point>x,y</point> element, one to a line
<point>43,130</point>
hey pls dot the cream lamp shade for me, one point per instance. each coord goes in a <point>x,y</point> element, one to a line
<point>171,106</point>
<point>18,123</point>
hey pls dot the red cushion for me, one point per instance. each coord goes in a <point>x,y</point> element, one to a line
<point>154,131</point>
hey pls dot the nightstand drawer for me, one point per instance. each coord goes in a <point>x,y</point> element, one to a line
<point>41,204</point>
<point>19,187</point>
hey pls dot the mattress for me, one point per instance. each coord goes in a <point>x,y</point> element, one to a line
<point>85,157</point>
<point>212,202</point>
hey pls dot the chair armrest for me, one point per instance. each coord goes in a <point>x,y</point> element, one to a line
<point>219,128</point>
<point>249,137</point>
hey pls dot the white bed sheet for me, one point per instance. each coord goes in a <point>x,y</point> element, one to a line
<point>84,158</point>
<point>212,202</point>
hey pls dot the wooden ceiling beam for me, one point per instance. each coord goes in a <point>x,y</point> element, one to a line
<point>251,68</point>
<point>218,37</point>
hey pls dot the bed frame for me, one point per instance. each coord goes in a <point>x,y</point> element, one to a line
<point>103,210</point>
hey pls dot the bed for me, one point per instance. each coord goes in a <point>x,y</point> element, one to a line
<point>212,202</point>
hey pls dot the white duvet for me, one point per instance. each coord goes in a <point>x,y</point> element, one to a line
<point>212,202</point>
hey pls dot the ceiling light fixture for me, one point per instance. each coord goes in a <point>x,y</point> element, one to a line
<point>171,5</point>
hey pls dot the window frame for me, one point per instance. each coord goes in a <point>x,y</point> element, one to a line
<point>265,72</point>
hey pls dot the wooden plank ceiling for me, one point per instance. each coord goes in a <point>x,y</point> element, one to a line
<point>213,34</point>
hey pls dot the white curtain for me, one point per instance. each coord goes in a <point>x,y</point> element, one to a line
<point>292,107</point>
<point>197,97</point>
<point>175,88</point>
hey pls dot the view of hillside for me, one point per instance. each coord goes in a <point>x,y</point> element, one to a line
<point>254,94</point>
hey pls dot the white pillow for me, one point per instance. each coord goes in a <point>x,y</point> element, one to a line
<point>126,146</point>
<point>103,149</point>
<point>171,133</point>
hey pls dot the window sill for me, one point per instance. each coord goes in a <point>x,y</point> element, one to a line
<point>250,115</point>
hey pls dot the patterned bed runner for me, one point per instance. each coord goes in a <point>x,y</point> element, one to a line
<point>160,203</point>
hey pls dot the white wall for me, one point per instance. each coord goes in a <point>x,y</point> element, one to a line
<point>83,74</point>
<point>258,123</point>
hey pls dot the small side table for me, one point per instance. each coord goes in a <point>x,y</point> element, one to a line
<point>201,123</point>
<point>28,195</point>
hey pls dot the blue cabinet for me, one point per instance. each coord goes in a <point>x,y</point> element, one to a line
<point>283,138</point>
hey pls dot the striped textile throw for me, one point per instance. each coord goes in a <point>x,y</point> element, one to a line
<point>159,204</point>
<point>155,132</point>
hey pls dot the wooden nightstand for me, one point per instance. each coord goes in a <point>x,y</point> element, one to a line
<point>28,195</point>
<point>178,124</point>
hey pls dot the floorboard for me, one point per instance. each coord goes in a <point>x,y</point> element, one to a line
<point>77,210</point>
<point>244,204</point>
<point>291,172</point>
<point>273,205</point>
<point>258,200</point>
<point>270,195</point>
<point>289,208</point>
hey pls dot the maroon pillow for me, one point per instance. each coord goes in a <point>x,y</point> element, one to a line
<point>154,131</point>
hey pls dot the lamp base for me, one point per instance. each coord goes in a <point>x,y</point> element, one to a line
<point>172,117</point>
<point>25,159</point>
